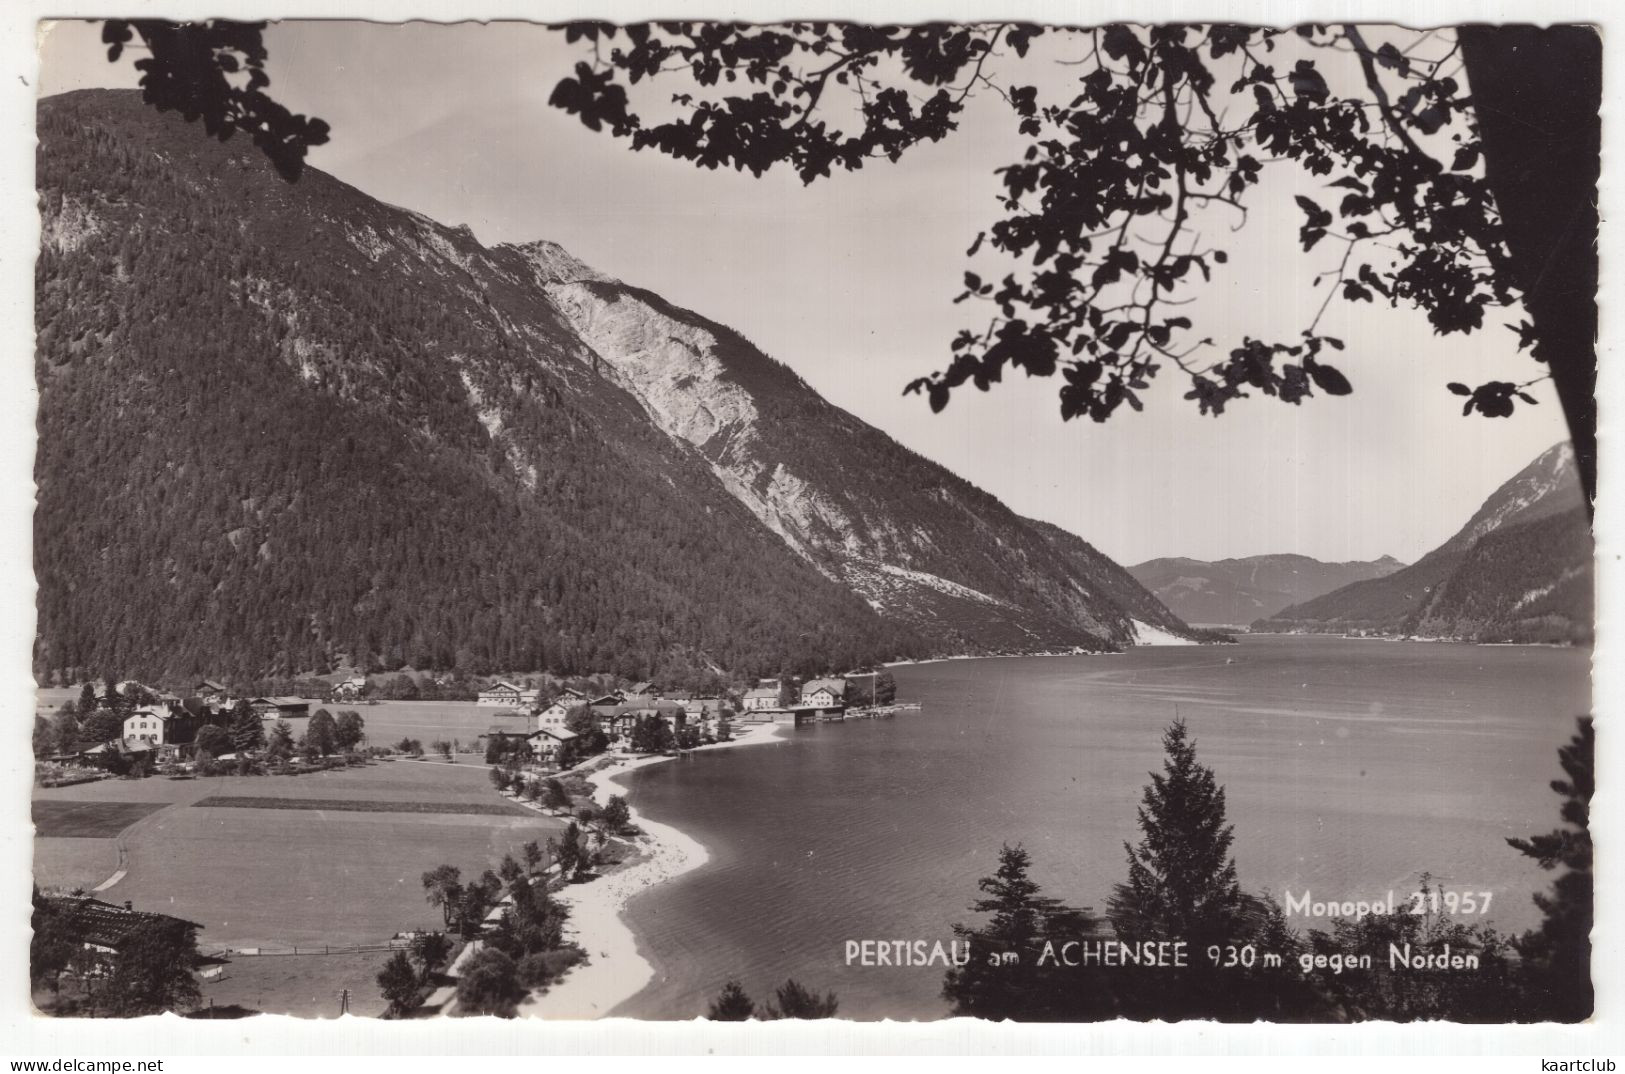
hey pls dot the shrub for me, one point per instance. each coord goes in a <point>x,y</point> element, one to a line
<point>545,967</point>
<point>489,985</point>
<point>576,786</point>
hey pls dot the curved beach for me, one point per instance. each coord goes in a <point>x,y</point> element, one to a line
<point>616,970</point>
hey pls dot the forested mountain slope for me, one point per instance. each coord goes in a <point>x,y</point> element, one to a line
<point>1520,569</point>
<point>283,426</point>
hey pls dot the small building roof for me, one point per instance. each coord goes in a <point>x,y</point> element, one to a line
<point>834,686</point>
<point>557,733</point>
<point>106,925</point>
<point>764,691</point>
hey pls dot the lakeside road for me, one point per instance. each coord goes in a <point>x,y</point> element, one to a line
<point>616,970</point>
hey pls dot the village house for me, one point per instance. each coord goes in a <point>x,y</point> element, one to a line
<point>824,694</point>
<point>506,734</point>
<point>547,742</point>
<point>105,930</point>
<point>350,688</point>
<point>619,721</point>
<point>209,688</point>
<point>508,695</point>
<point>145,726</point>
<point>162,729</point>
<point>555,714</point>
<point>606,709</point>
<point>279,708</point>
<point>761,699</point>
<point>702,713</point>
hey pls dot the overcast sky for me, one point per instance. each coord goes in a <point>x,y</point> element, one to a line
<point>850,282</point>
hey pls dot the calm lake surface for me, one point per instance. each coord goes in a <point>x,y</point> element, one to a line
<point>1351,767</point>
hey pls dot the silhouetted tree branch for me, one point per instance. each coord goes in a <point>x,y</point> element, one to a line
<point>1099,216</point>
<point>215,71</point>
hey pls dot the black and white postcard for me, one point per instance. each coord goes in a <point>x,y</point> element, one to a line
<point>749,521</point>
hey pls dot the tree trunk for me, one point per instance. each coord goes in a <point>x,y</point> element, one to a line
<point>1538,94</point>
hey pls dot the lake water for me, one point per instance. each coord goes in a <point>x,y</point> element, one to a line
<point>1351,767</point>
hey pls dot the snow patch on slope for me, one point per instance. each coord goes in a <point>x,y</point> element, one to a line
<point>942,585</point>
<point>1146,634</point>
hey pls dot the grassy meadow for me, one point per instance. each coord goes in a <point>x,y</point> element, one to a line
<point>291,874</point>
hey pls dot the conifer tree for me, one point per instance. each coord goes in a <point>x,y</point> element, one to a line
<point>1008,974</point>
<point>1182,888</point>
<point>793,1000</point>
<point>731,1005</point>
<point>247,729</point>
<point>280,744</point>
<point>1182,880</point>
<point>1557,955</point>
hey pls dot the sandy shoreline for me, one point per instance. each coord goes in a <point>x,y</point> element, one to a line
<point>616,971</point>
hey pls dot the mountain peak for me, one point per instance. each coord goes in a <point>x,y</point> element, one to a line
<point>551,263</point>
<point>1520,570</point>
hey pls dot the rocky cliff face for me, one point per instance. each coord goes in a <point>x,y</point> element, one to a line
<point>918,544</point>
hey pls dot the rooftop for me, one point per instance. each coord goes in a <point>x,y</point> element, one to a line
<point>107,925</point>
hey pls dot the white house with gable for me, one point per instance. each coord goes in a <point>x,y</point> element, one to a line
<point>507,695</point>
<point>824,693</point>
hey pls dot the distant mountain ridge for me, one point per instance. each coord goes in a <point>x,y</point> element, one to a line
<point>284,426</point>
<point>1236,592</point>
<point>1519,570</point>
